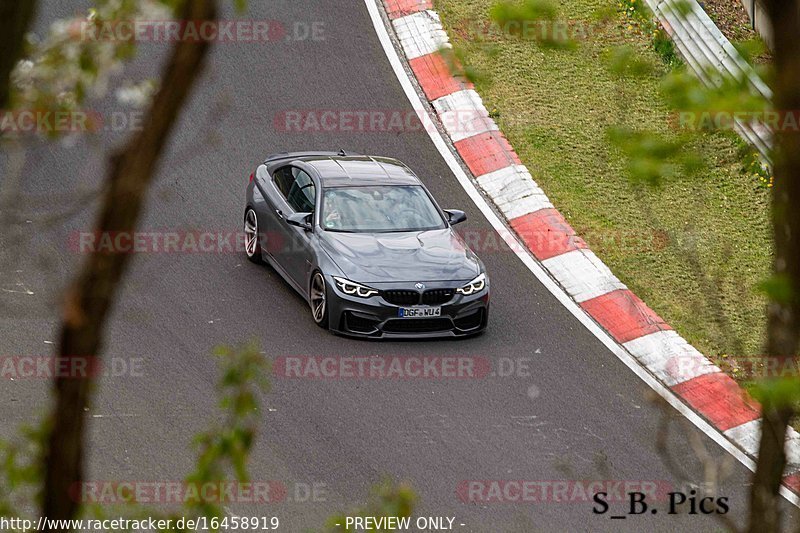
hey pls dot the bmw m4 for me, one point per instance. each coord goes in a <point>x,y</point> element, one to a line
<point>366,245</point>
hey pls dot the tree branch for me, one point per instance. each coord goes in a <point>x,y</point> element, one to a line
<point>91,295</point>
<point>783,326</point>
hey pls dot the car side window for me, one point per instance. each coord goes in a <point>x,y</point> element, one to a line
<point>283,179</point>
<point>302,193</point>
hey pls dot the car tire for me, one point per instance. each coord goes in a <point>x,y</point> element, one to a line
<point>252,240</point>
<point>318,299</point>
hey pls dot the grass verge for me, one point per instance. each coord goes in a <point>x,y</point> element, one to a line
<point>556,104</point>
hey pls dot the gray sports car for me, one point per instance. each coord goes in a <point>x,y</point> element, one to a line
<point>363,241</point>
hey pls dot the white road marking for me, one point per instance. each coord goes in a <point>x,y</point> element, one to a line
<point>425,23</point>
<point>463,115</point>
<point>670,357</point>
<point>513,191</point>
<point>582,274</point>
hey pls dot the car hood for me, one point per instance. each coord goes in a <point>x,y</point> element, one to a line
<point>435,255</point>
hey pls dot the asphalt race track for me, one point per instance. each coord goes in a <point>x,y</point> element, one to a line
<point>569,411</point>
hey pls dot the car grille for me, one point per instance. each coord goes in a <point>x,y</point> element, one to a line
<point>437,296</point>
<point>409,297</point>
<point>417,325</point>
<point>401,297</point>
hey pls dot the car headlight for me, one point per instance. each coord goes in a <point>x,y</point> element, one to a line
<point>476,285</point>
<point>354,289</point>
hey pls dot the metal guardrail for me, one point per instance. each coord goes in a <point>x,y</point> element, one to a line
<point>759,20</point>
<point>711,56</point>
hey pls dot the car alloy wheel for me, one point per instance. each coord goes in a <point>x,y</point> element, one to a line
<point>252,247</point>
<point>318,300</point>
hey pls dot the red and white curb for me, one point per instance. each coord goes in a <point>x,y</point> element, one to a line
<point>497,171</point>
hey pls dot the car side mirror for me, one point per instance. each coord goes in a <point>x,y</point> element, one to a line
<point>301,220</point>
<point>454,216</point>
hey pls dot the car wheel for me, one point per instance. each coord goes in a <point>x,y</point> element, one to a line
<point>252,244</point>
<point>318,299</point>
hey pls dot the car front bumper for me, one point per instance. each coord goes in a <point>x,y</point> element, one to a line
<point>377,318</point>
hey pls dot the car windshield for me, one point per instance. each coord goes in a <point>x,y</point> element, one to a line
<point>379,209</point>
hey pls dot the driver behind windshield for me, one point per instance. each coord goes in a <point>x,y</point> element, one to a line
<point>379,209</point>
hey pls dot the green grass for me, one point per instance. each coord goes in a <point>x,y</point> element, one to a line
<point>555,106</point>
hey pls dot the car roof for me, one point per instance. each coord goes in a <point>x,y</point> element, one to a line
<point>337,170</point>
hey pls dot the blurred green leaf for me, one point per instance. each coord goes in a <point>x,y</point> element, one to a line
<point>533,20</point>
<point>750,48</point>
<point>530,10</point>
<point>625,62</point>
<point>684,91</point>
<point>653,158</point>
<point>777,392</point>
<point>682,7</point>
<point>778,288</point>
<point>387,499</point>
<point>455,59</point>
<point>604,13</point>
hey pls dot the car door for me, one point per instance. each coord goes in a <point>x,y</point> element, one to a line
<point>274,188</point>
<point>301,198</point>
